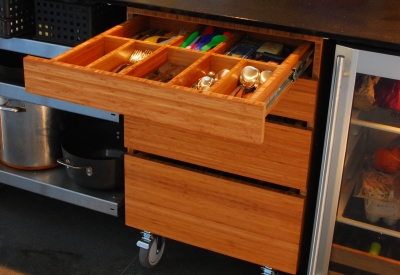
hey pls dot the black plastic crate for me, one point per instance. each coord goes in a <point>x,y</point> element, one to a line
<point>69,23</point>
<point>16,17</point>
<point>15,8</point>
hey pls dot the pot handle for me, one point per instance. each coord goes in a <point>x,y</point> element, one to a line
<point>66,162</point>
<point>11,109</point>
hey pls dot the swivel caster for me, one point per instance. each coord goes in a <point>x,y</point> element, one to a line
<point>151,249</point>
<point>268,271</point>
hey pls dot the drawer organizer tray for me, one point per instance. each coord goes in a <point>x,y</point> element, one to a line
<point>242,218</point>
<point>84,75</point>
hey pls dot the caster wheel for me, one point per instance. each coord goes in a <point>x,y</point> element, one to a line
<point>149,258</point>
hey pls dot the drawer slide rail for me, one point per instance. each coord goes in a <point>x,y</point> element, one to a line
<point>297,71</point>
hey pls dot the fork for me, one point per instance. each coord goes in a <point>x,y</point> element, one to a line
<point>181,32</point>
<point>135,57</point>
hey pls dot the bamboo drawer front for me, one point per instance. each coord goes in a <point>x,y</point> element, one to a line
<point>84,75</point>
<point>243,220</point>
<point>285,148</point>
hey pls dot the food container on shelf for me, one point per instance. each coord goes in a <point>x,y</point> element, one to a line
<point>380,191</point>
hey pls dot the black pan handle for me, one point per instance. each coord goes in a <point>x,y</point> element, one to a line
<point>66,162</point>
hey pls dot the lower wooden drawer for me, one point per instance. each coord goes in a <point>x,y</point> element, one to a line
<point>285,147</point>
<point>246,220</point>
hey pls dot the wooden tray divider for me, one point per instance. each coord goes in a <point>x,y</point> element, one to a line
<point>182,56</point>
<point>114,58</point>
<point>142,46</point>
<point>229,43</point>
<point>225,86</point>
<point>174,55</point>
<point>86,53</point>
<point>177,41</point>
<point>121,55</point>
<point>194,72</point>
<point>149,65</point>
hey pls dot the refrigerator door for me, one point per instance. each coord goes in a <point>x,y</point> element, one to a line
<point>347,225</point>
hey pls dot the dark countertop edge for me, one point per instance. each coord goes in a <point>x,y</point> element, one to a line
<point>249,22</point>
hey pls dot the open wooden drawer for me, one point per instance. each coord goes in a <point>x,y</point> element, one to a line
<point>84,75</point>
<point>243,218</point>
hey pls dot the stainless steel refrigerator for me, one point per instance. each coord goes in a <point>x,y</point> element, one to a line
<point>357,220</point>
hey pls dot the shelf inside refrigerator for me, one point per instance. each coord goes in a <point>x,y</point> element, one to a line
<point>362,144</point>
<point>379,119</point>
<point>351,211</point>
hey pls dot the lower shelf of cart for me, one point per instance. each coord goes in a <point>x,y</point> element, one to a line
<point>56,184</point>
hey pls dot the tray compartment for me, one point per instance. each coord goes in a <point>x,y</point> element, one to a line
<point>87,53</point>
<point>244,220</point>
<point>170,57</point>
<point>121,55</point>
<point>203,66</point>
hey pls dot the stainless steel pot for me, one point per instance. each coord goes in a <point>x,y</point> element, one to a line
<point>30,134</point>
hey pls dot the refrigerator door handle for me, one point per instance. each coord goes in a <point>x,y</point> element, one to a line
<point>325,165</point>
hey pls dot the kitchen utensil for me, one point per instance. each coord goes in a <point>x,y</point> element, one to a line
<point>264,75</point>
<point>248,79</point>
<point>167,36</point>
<point>205,83</point>
<point>190,39</point>
<point>30,134</point>
<point>203,41</point>
<point>210,74</point>
<point>192,45</point>
<point>227,34</point>
<point>94,155</point>
<point>136,56</point>
<point>221,74</point>
<point>214,42</point>
<point>207,30</point>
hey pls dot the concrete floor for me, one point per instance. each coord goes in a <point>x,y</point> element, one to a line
<point>40,236</point>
